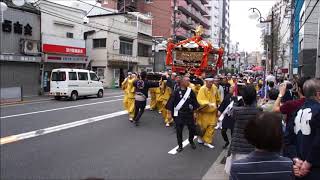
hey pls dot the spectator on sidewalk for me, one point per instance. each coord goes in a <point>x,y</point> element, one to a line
<point>265,134</point>
<point>304,135</point>
<point>272,97</point>
<point>240,147</point>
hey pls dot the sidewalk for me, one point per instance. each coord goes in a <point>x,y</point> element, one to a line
<point>27,100</point>
<point>46,97</point>
<point>216,171</point>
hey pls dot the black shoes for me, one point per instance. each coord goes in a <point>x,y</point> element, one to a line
<point>136,123</point>
<point>193,146</point>
<point>179,149</point>
<point>226,145</point>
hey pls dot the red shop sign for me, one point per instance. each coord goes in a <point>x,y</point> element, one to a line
<point>50,48</point>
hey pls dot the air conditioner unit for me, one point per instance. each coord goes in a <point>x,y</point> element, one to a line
<point>30,47</point>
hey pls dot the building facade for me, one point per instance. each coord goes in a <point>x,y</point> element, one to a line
<point>189,14</point>
<point>20,54</point>
<point>63,44</point>
<point>226,26</point>
<point>309,37</point>
<point>215,12</point>
<point>283,62</point>
<point>127,46</point>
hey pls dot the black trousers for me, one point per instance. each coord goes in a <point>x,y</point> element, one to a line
<point>139,107</point>
<point>224,134</point>
<point>179,130</point>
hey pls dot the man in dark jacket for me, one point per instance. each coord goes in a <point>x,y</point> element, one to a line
<point>141,95</point>
<point>304,136</point>
<point>183,113</point>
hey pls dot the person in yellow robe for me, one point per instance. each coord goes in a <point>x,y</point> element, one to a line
<point>124,86</point>
<point>208,98</point>
<point>159,97</point>
<point>153,101</point>
<point>130,94</point>
<point>165,93</point>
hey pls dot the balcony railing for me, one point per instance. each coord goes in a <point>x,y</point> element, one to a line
<point>194,14</point>
<point>142,27</point>
<point>200,7</point>
<point>122,58</point>
<point>185,22</point>
<point>204,1</point>
<point>145,28</point>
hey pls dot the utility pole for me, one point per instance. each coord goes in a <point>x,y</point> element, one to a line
<point>124,6</point>
<point>318,53</point>
<point>174,20</point>
<point>272,41</point>
<point>293,2</point>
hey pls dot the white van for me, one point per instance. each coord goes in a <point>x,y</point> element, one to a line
<point>72,83</point>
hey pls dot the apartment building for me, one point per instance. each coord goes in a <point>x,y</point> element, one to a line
<point>308,37</point>
<point>189,14</point>
<point>215,11</point>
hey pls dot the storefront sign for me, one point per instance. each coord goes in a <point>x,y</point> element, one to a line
<point>63,46</point>
<point>17,28</point>
<point>65,59</point>
<point>285,70</point>
<point>20,58</point>
<point>50,48</point>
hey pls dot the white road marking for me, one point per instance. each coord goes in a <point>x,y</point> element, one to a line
<point>184,144</point>
<point>106,97</point>
<point>57,109</point>
<point>40,132</point>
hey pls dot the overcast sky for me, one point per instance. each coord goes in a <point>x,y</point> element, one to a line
<point>243,29</point>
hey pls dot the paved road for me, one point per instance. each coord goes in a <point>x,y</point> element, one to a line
<point>110,148</point>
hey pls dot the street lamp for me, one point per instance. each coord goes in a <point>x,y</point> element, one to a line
<point>256,14</point>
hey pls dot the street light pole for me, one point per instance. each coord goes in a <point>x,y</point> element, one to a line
<point>261,20</point>
<point>272,41</point>
<point>174,20</point>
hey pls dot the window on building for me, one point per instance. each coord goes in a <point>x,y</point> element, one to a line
<point>148,1</point>
<point>144,50</point>
<point>126,46</point>
<point>301,44</point>
<point>69,35</point>
<point>83,76</point>
<point>99,43</point>
<point>99,71</point>
<point>73,76</point>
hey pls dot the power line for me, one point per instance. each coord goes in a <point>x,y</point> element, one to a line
<point>96,23</point>
<point>308,16</point>
<point>102,29</point>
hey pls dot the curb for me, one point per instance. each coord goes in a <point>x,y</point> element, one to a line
<point>23,102</point>
<point>216,171</point>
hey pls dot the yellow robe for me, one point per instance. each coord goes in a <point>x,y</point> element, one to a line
<point>231,82</point>
<point>159,98</point>
<point>153,96</point>
<point>197,88</point>
<point>207,116</point>
<point>164,98</point>
<point>130,91</point>
<point>124,85</point>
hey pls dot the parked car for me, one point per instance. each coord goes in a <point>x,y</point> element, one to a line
<point>73,83</point>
